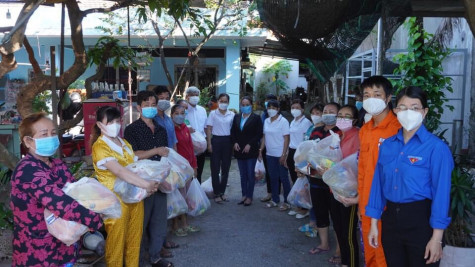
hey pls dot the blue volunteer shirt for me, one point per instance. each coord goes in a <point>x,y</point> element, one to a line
<point>418,170</point>
<point>167,123</point>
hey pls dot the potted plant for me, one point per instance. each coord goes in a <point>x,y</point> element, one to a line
<point>460,247</point>
<point>6,215</point>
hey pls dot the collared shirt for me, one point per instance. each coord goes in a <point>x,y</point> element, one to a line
<point>167,123</point>
<point>184,146</point>
<point>298,128</point>
<point>140,137</point>
<point>243,120</point>
<point>370,139</point>
<point>197,117</point>
<point>274,132</point>
<point>420,169</point>
<point>221,123</point>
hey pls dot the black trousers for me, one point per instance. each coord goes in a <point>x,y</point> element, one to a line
<point>321,197</point>
<point>345,221</point>
<point>200,160</point>
<point>268,184</point>
<point>405,233</point>
<point>291,165</point>
<point>220,161</point>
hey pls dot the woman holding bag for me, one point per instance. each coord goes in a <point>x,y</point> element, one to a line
<point>246,132</point>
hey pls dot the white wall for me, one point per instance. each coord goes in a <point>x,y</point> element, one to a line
<point>292,80</point>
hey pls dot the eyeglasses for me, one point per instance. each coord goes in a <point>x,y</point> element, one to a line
<point>345,117</point>
<point>403,108</point>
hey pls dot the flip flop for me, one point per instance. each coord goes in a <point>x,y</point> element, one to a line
<point>335,259</point>
<point>317,250</point>
<point>165,254</point>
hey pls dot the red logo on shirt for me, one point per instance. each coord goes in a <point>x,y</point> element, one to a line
<point>413,159</point>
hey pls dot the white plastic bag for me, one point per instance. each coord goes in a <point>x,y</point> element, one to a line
<point>176,204</point>
<point>207,187</point>
<point>129,193</point>
<point>68,232</point>
<point>179,165</point>
<point>94,196</point>
<point>326,153</point>
<point>301,155</point>
<point>196,199</point>
<point>199,142</point>
<point>343,177</point>
<point>260,170</point>
<point>299,195</point>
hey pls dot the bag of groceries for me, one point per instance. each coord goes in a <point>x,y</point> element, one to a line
<point>199,142</point>
<point>196,199</point>
<point>68,232</point>
<point>207,187</point>
<point>176,204</point>
<point>343,177</point>
<point>94,196</point>
<point>301,155</point>
<point>299,195</point>
<point>179,165</point>
<point>260,170</point>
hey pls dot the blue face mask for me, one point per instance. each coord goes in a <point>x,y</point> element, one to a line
<point>246,109</point>
<point>359,104</point>
<point>265,104</point>
<point>186,112</point>
<point>47,146</point>
<point>149,112</point>
<point>179,119</point>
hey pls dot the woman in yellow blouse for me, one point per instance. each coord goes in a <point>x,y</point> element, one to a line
<point>110,155</point>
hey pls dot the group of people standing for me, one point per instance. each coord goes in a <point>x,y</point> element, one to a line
<point>403,176</point>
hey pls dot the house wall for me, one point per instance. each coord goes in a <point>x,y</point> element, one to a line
<point>292,80</point>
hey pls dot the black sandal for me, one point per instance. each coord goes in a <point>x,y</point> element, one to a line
<point>218,199</point>
<point>162,263</point>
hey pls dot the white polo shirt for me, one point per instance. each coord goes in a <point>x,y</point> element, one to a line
<point>298,128</point>
<point>197,117</point>
<point>274,135</point>
<point>221,123</point>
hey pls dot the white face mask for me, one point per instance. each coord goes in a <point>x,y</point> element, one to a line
<point>223,106</point>
<point>112,130</point>
<point>374,106</point>
<point>194,100</point>
<point>409,119</point>
<point>272,112</point>
<point>316,119</point>
<point>295,112</point>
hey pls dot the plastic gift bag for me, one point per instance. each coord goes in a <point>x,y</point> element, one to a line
<point>176,204</point>
<point>207,187</point>
<point>260,170</point>
<point>150,170</point>
<point>171,183</point>
<point>179,165</point>
<point>199,143</point>
<point>94,196</point>
<point>68,232</point>
<point>326,153</point>
<point>299,195</point>
<point>129,193</point>
<point>343,177</point>
<point>196,199</point>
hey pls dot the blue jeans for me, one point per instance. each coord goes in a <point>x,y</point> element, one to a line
<point>246,169</point>
<point>278,173</point>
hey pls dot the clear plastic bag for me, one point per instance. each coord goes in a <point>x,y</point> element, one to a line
<point>299,195</point>
<point>260,170</point>
<point>196,199</point>
<point>207,187</point>
<point>171,183</point>
<point>343,177</point>
<point>129,193</point>
<point>199,143</point>
<point>68,232</point>
<point>179,165</point>
<point>176,204</point>
<point>94,196</point>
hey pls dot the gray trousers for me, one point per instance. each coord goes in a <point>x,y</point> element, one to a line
<point>154,226</point>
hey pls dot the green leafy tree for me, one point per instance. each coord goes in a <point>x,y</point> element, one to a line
<point>278,70</point>
<point>422,66</point>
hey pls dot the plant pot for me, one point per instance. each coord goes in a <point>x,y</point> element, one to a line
<point>6,248</point>
<point>457,257</point>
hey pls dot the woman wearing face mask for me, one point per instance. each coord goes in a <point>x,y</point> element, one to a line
<point>220,145</point>
<point>345,218</point>
<point>412,180</point>
<point>185,149</point>
<point>36,185</point>
<point>110,155</point>
<point>276,141</point>
<point>298,127</point>
<point>246,133</point>
<point>319,191</point>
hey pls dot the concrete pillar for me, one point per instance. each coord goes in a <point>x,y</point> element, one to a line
<point>233,73</point>
<point>471,138</point>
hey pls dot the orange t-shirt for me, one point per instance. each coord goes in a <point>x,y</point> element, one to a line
<point>371,138</point>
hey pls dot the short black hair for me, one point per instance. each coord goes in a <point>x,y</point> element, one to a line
<point>378,81</point>
<point>273,103</point>
<point>413,92</point>
<point>334,104</point>
<point>354,111</point>
<point>298,101</point>
<point>318,106</point>
<point>160,89</point>
<point>109,112</point>
<point>271,97</point>
<point>223,95</point>
<point>248,98</point>
<point>144,96</point>
<point>181,101</point>
<point>174,108</point>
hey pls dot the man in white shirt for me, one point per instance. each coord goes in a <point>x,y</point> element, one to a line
<point>196,117</point>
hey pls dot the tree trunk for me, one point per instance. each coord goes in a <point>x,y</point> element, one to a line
<point>8,64</point>
<point>470,8</point>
